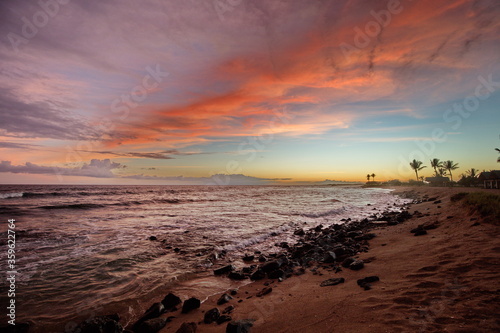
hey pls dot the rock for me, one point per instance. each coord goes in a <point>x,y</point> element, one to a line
<point>177,250</point>
<point>150,326</point>
<point>264,291</point>
<point>17,328</point>
<point>258,275</point>
<point>332,282</point>
<point>356,265</point>
<point>248,258</point>
<point>234,292</point>
<point>299,232</point>
<point>190,304</point>
<point>187,328</point>
<point>154,311</point>
<point>170,302</point>
<point>437,202</point>
<point>237,276</point>
<point>262,258</point>
<point>224,299</point>
<point>229,309</point>
<point>347,262</point>
<point>211,316</point>
<point>224,270</point>
<point>277,274</point>
<point>366,282</point>
<point>223,319</point>
<point>419,231</point>
<point>152,238</point>
<point>99,324</point>
<point>271,266</point>
<point>239,326</point>
<point>329,257</point>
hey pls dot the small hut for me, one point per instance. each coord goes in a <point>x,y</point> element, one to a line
<point>491,179</point>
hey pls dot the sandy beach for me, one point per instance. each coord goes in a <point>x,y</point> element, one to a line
<point>444,281</point>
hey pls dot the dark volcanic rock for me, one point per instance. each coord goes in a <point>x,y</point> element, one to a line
<point>332,282</point>
<point>329,257</point>
<point>237,276</point>
<point>239,326</point>
<point>366,282</point>
<point>154,311</point>
<point>356,265</point>
<point>258,275</point>
<point>187,328</point>
<point>152,238</point>
<point>271,266</point>
<point>17,328</point>
<point>190,304</point>
<point>211,316</point>
<point>224,270</point>
<point>151,325</point>
<point>248,258</point>
<point>224,299</point>
<point>276,274</point>
<point>264,291</point>
<point>262,258</point>
<point>171,301</point>
<point>229,309</point>
<point>223,319</point>
<point>347,262</point>
<point>103,324</point>
<point>299,232</point>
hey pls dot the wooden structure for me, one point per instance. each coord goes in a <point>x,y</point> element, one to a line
<point>491,179</point>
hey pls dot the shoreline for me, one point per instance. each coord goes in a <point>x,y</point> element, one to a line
<point>348,307</point>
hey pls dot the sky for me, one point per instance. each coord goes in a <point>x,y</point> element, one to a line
<point>246,92</point>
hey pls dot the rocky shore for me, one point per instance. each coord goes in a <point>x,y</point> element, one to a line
<point>395,272</point>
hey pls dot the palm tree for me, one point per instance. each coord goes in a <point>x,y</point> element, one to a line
<point>498,150</point>
<point>373,176</point>
<point>417,166</point>
<point>471,173</point>
<point>368,177</point>
<point>436,163</point>
<point>449,165</point>
<point>442,171</point>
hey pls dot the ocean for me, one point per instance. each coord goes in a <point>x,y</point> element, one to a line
<point>87,250</point>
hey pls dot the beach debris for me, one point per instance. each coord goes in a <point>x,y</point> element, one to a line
<point>170,302</point>
<point>224,299</point>
<point>239,326</point>
<point>224,270</point>
<point>149,326</point>
<point>99,324</point>
<point>332,282</point>
<point>223,318</point>
<point>211,316</point>
<point>187,328</point>
<point>367,281</point>
<point>190,304</point>
<point>264,291</point>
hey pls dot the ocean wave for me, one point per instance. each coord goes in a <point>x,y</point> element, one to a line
<point>336,211</point>
<point>11,195</point>
<point>73,206</point>
<point>256,239</point>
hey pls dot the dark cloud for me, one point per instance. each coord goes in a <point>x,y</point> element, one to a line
<point>14,145</point>
<point>40,120</point>
<point>96,168</point>
<point>162,155</point>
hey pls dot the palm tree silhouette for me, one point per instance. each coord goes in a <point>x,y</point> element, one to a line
<point>498,150</point>
<point>368,177</point>
<point>471,173</point>
<point>373,176</point>
<point>436,163</point>
<point>450,165</point>
<point>417,166</point>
